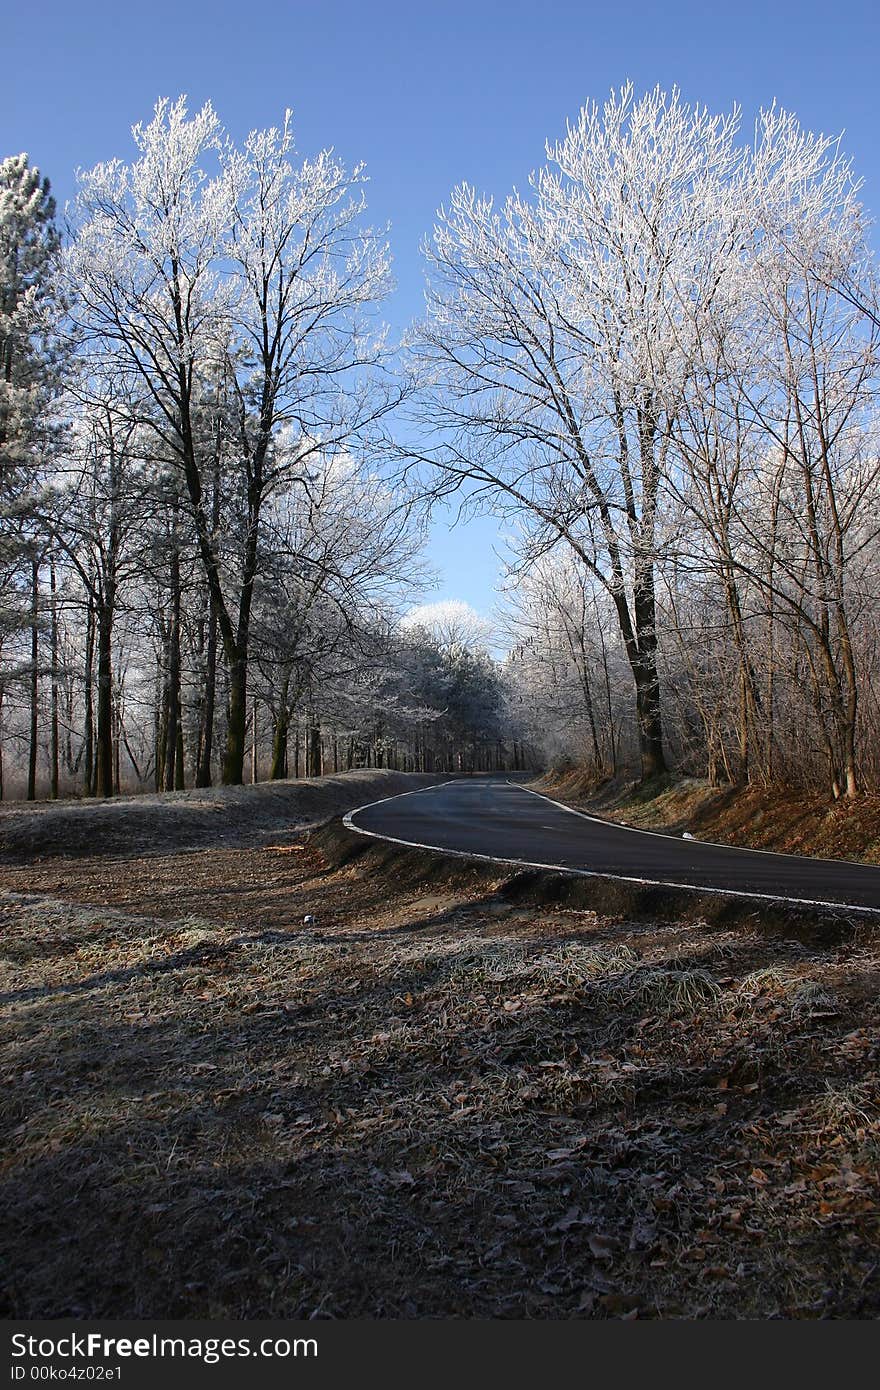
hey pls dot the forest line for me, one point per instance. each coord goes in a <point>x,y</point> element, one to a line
<point>658,365</point>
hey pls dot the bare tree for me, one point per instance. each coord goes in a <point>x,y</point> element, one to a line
<point>559,342</point>
<point>263,266</point>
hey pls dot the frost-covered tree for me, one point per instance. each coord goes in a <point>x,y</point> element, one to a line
<point>338,553</point>
<point>560,339</point>
<point>452,624</point>
<point>102,499</point>
<point>198,254</point>
<point>28,318</point>
<point>779,473</point>
<point>29,245</point>
<point>452,673</point>
<point>564,662</point>
<point>663,358</point>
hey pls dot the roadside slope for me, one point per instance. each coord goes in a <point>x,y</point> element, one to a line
<point>784,821</point>
<point>217,816</point>
<point>334,1078</point>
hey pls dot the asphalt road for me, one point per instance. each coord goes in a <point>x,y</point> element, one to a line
<point>494,818</point>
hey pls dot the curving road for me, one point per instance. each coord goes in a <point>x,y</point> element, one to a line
<point>494,818</point>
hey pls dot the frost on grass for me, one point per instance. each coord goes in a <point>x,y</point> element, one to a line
<point>474,1112</point>
<point>668,992</point>
<point>571,964</point>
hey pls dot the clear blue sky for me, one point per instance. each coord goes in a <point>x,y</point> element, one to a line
<point>427,95</point>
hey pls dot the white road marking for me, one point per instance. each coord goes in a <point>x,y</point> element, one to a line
<point>661,835</point>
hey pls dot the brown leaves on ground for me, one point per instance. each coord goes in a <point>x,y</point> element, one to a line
<point>439,1099</point>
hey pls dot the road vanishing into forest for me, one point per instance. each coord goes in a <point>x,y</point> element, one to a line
<point>494,818</point>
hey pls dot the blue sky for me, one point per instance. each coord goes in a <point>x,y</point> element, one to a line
<point>427,95</point>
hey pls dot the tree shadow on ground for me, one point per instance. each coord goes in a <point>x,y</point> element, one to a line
<point>447,1119</point>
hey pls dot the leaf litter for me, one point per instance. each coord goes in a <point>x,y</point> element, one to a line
<point>438,1098</point>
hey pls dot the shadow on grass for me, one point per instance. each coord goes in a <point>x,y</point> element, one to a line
<point>393,1131</point>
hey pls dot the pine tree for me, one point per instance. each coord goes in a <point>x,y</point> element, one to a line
<point>28,247</point>
<point>29,244</point>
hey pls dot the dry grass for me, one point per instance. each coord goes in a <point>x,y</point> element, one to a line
<point>200,818</point>
<point>447,1096</point>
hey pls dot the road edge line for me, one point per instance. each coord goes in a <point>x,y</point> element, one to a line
<point>398,796</point>
<point>716,844</point>
<point>592,873</point>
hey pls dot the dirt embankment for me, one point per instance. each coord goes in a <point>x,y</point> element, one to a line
<point>787,821</point>
<point>173,821</point>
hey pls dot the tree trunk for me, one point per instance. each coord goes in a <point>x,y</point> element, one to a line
<point>104,761</point>
<point>88,683</point>
<point>173,725</point>
<point>117,754</point>
<point>159,730</point>
<point>179,763</point>
<point>280,734</point>
<point>236,724</point>
<point>206,749</point>
<point>649,724</point>
<point>255,766</point>
<point>34,682</point>
<point>54,749</point>
<point>278,769</point>
<point>313,768</point>
<point>206,745</point>
<point>648,711</point>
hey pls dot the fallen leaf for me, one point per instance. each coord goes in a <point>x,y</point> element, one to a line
<point>602,1246</point>
<point>573,1217</point>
